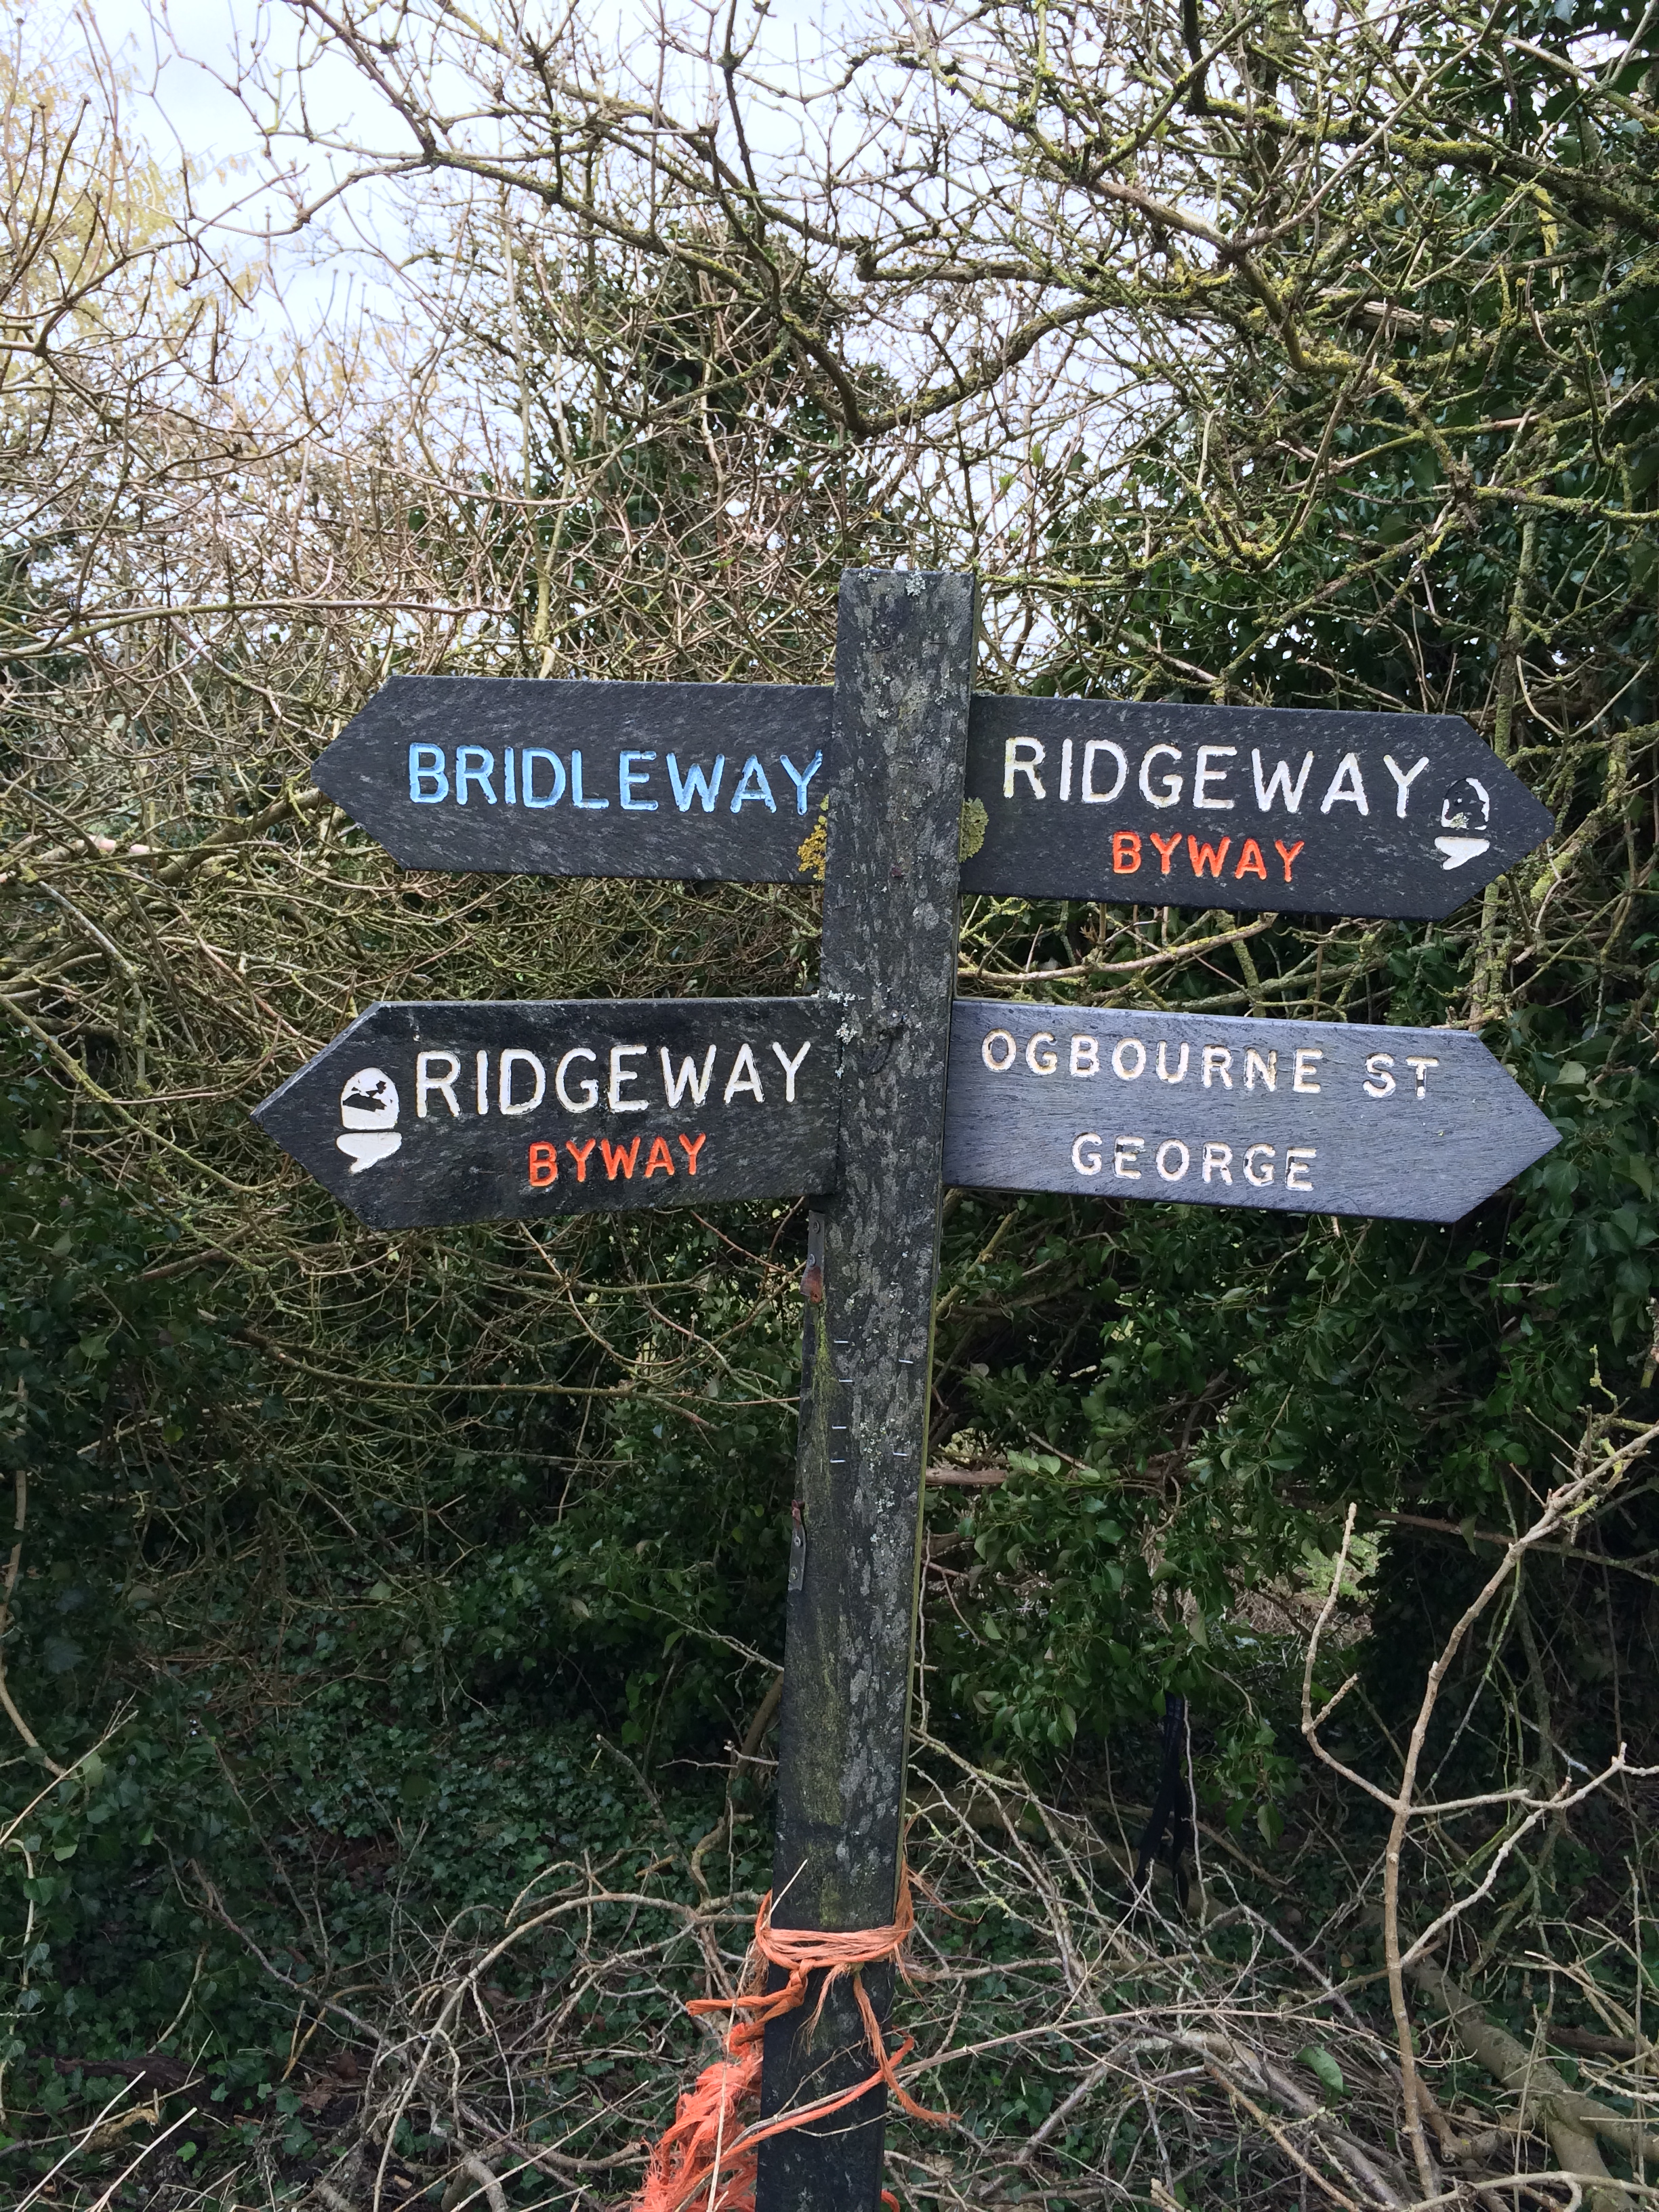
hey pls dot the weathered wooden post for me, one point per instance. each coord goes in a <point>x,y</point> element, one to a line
<point>904,654</point>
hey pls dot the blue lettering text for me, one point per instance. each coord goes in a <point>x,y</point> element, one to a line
<point>531,755</point>
<point>753,784</point>
<point>800,778</point>
<point>576,799</point>
<point>426,766</point>
<point>473,764</point>
<point>696,783</point>
<point>632,779</point>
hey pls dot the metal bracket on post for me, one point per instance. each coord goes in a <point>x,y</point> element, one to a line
<point>904,657</point>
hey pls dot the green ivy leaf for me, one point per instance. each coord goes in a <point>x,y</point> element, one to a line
<point>1320,2062</point>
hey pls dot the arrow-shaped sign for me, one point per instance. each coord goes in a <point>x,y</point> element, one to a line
<point>1244,808</point>
<point>427,1115</point>
<point>707,782</point>
<point>1211,1109</point>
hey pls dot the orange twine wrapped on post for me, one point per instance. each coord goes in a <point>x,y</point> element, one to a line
<point>707,2158</point>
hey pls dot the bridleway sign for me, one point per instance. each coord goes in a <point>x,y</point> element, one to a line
<point>702,782</point>
<point>1249,809</point>
<point>898,789</point>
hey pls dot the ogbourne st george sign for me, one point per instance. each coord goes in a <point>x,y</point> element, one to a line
<point>1213,1109</point>
<point>1250,808</point>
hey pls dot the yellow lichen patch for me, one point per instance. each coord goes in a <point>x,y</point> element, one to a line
<point>814,847</point>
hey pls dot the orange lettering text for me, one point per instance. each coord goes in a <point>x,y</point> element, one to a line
<point>619,1156</point>
<point>691,1147</point>
<point>1206,856</point>
<point>1250,862</point>
<point>1167,847</point>
<point>1287,854</point>
<point>578,1154</point>
<point>1125,852</point>
<point>544,1164</point>
<point>661,1157</point>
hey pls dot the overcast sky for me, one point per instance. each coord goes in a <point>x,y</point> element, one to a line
<point>180,61</point>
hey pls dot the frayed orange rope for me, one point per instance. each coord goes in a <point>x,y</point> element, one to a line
<point>706,2161</point>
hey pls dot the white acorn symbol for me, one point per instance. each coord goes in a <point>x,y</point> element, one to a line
<point>368,1104</point>
<point>1465,806</point>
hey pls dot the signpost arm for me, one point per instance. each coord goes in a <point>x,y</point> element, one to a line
<point>904,673</point>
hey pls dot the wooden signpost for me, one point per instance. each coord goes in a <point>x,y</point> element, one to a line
<point>904,660</point>
<point>900,788</point>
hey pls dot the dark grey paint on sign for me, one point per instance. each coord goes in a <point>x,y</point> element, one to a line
<point>1243,808</point>
<point>514,776</point>
<point>1290,1117</point>
<point>1246,808</point>
<point>426,1115</point>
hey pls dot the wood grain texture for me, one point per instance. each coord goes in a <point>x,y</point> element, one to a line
<point>1209,1109</point>
<point>634,805</point>
<point>588,1106</point>
<point>903,668</point>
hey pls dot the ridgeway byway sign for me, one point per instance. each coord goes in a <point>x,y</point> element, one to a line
<point>1247,809</point>
<point>428,1114</point>
<point>488,1110</point>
